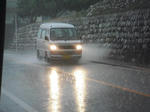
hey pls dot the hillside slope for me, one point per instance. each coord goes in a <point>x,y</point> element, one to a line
<point>114,6</point>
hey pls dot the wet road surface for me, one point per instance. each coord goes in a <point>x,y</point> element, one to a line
<point>32,85</point>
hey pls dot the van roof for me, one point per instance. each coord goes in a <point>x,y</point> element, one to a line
<point>56,25</point>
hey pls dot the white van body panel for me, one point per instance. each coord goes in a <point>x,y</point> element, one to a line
<point>65,42</point>
<point>65,46</point>
<point>56,25</point>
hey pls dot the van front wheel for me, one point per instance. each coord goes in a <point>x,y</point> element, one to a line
<point>47,59</point>
<point>38,54</point>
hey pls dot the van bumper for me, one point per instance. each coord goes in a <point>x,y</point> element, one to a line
<point>65,54</point>
<point>55,57</point>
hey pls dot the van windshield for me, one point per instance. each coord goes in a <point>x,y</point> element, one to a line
<point>63,34</point>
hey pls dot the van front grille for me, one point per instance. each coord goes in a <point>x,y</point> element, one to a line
<point>66,47</point>
<point>66,52</point>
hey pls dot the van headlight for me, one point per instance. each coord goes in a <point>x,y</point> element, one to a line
<point>53,47</point>
<point>78,47</point>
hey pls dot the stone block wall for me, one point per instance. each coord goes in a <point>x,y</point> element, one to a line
<point>127,33</point>
<point>26,37</point>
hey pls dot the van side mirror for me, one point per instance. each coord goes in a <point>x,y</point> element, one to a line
<point>80,38</point>
<point>46,38</point>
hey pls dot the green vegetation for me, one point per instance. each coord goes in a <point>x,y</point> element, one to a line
<point>31,9</point>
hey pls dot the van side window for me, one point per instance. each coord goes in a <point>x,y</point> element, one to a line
<point>47,33</point>
<point>39,33</point>
<point>43,34</point>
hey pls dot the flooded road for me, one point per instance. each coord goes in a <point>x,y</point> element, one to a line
<point>32,85</point>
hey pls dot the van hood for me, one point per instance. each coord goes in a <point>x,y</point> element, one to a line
<point>65,42</point>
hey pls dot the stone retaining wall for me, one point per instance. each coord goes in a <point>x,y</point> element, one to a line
<point>26,37</point>
<point>127,34</point>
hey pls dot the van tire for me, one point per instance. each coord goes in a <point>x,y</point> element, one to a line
<point>78,60</point>
<point>38,54</point>
<point>47,59</point>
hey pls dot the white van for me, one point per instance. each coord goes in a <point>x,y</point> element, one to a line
<point>58,41</point>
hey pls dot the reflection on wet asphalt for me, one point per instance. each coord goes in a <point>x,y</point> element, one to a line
<point>80,87</point>
<point>77,79</point>
<point>72,87</point>
<point>54,91</point>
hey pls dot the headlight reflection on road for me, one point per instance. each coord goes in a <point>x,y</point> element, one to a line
<point>54,90</point>
<point>80,89</point>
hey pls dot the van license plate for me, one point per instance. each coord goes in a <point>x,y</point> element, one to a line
<point>66,56</point>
